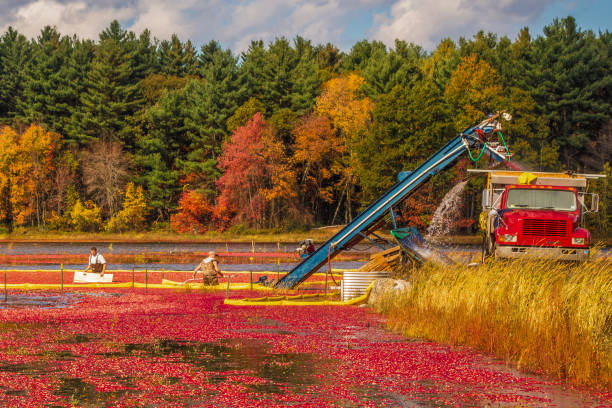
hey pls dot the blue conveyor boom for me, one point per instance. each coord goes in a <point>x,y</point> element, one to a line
<point>368,220</point>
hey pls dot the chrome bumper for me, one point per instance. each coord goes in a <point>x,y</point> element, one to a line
<point>560,254</point>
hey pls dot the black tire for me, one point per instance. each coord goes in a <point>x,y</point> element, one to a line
<point>483,249</point>
<point>488,247</point>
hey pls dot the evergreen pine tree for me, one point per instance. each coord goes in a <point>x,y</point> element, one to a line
<point>572,83</point>
<point>15,56</point>
<point>50,89</point>
<point>112,95</point>
<point>172,57</point>
<point>79,65</point>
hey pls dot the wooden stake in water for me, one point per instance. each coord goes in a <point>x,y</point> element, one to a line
<point>251,274</point>
<point>253,246</point>
<point>277,269</point>
<point>62,276</point>
<point>228,286</point>
<point>326,283</point>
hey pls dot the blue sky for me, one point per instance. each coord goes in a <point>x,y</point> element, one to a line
<point>590,14</point>
<point>342,22</point>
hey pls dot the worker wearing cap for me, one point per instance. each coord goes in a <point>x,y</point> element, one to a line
<point>97,263</point>
<point>210,270</point>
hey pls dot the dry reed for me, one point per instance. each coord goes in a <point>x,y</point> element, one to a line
<point>546,317</point>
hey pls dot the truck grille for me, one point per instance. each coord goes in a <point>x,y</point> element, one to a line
<point>545,228</point>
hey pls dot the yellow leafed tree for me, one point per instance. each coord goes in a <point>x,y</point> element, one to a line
<point>134,212</point>
<point>473,92</point>
<point>342,100</point>
<point>350,112</point>
<point>26,169</point>
<point>85,217</point>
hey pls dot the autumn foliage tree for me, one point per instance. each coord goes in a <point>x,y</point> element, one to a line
<point>257,181</point>
<point>133,215</point>
<point>194,215</point>
<point>85,217</point>
<point>474,91</point>
<point>350,111</point>
<point>26,173</point>
<point>318,151</point>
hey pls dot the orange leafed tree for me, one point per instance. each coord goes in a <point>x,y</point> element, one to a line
<point>194,214</point>
<point>317,155</point>
<point>197,215</point>
<point>26,173</point>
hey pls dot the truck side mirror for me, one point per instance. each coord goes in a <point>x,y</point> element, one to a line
<point>486,202</point>
<point>594,207</point>
<point>594,202</point>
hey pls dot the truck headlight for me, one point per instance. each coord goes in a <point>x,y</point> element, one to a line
<point>577,241</point>
<point>509,238</point>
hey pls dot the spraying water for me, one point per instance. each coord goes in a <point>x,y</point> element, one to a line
<point>443,220</point>
<point>442,223</point>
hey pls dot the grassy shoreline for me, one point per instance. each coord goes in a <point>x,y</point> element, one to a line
<point>544,317</point>
<point>319,235</point>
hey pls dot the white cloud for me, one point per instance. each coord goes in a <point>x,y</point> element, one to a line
<point>320,21</point>
<point>426,22</point>
<point>189,19</point>
<point>235,23</point>
<point>69,17</point>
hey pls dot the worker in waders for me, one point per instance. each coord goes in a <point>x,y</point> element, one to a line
<point>97,263</point>
<point>210,270</point>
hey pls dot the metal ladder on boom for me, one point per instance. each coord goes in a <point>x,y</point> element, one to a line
<point>369,220</point>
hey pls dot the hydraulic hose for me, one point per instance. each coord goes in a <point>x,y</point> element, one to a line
<point>329,269</point>
<point>504,142</point>
<point>485,146</point>
<point>479,156</point>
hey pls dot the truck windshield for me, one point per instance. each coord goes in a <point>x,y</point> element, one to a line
<point>535,198</point>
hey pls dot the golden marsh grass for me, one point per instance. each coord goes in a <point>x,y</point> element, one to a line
<point>547,317</point>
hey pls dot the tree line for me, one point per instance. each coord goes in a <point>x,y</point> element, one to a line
<point>131,132</point>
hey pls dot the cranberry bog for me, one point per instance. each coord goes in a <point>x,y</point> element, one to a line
<point>54,253</point>
<point>165,348</point>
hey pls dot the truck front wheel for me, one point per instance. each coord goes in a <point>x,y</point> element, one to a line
<point>488,246</point>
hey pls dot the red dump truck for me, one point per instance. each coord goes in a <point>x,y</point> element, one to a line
<point>536,214</point>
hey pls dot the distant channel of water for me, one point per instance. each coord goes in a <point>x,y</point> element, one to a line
<point>48,248</point>
<point>267,267</point>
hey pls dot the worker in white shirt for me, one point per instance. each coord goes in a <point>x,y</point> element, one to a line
<point>97,263</point>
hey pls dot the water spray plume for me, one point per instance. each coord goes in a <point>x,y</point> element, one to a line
<point>447,213</point>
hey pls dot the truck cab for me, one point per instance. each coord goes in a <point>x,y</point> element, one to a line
<point>536,215</point>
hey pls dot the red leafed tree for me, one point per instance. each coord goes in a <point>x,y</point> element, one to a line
<point>258,182</point>
<point>194,215</point>
<point>419,207</point>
